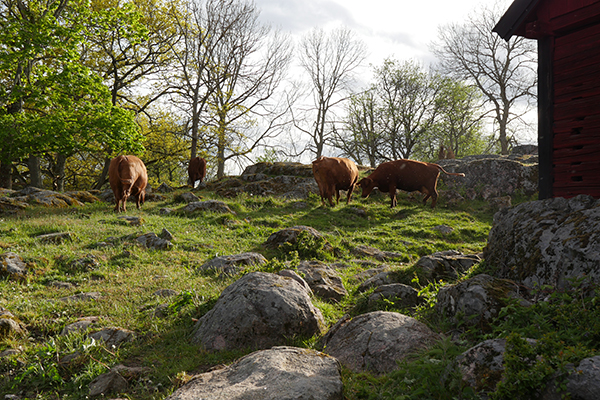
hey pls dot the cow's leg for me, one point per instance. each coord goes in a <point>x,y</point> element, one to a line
<point>349,196</point>
<point>337,196</point>
<point>330,198</point>
<point>434,197</point>
<point>393,195</point>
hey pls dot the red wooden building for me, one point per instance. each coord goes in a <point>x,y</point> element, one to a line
<point>568,36</point>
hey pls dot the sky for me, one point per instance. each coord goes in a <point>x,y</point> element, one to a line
<point>400,29</point>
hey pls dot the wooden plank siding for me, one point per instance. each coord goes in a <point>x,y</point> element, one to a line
<point>576,111</point>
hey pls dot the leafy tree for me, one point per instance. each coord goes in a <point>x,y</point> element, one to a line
<point>49,102</point>
<point>129,44</point>
<point>407,113</point>
<point>408,96</point>
<point>166,155</point>
<point>504,72</point>
<point>459,123</point>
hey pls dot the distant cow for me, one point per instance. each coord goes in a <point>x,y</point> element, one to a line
<point>334,174</point>
<point>128,177</point>
<point>196,170</point>
<point>408,175</point>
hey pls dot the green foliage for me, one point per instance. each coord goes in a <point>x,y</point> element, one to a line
<point>308,247</point>
<point>529,367</point>
<point>428,375</point>
<point>53,103</point>
<point>42,367</point>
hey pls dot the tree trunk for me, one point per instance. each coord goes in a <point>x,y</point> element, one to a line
<point>35,172</point>
<point>59,173</point>
<point>6,175</point>
<point>102,178</point>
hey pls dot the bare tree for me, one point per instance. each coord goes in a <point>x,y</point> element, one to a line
<point>361,135</point>
<point>229,72</point>
<point>505,72</point>
<point>329,59</point>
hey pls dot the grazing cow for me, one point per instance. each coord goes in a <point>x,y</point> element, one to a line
<point>128,177</point>
<point>408,175</point>
<point>334,174</point>
<point>196,170</point>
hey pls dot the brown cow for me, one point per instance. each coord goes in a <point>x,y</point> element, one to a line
<point>196,170</point>
<point>334,174</point>
<point>128,177</point>
<point>408,175</point>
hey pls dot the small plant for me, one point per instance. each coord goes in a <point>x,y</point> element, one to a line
<point>308,246</point>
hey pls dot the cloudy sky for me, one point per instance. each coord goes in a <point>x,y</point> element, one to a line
<point>401,29</point>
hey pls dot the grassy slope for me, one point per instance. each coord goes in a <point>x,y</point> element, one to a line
<point>127,276</point>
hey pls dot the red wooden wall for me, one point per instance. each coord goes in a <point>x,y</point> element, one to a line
<point>576,149</point>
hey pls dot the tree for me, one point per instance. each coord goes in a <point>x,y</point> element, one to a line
<point>408,96</point>
<point>228,76</point>
<point>330,60</point>
<point>409,112</point>
<point>49,102</point>
<point>361,138</point>
<point>129,44</point>
<point>505,72</point>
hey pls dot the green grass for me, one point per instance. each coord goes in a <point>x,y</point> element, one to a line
<point>127,276</point>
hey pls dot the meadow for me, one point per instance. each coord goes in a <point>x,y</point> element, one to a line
<point>128,275</point>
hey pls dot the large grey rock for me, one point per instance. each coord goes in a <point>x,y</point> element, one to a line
<point>55,238</point>
<point>113,337</point>
<point>280,373</point>
<point>232,264</point>
<point>400,294</point>
<point>12,265</point>
<point>208,205</point>
<point>323,280</point>
<point>476,301</point>
<point>368,251</point>
<point>152,241</point>
<point>81,325</point>
<point>547,242</point>
<point>582,382</point>
<point>260,310</point>
<point>448,265</point>
<point>482,366</point>
<point>9,327</point>
<point>376,341</point>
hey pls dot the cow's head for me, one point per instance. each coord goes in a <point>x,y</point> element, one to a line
<point>367,186</point>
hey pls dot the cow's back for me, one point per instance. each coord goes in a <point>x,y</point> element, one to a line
<point>413,175</point>
<point>338,172</point>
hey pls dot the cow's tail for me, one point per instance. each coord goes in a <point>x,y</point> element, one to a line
<point>449,173</point>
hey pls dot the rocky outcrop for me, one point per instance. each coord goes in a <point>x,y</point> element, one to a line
<point>489,176</point>
<point>258,311</point>
<point>285,179</point>
<point>547,242</point>
<point>376,341</point>
<point>280,373</point>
